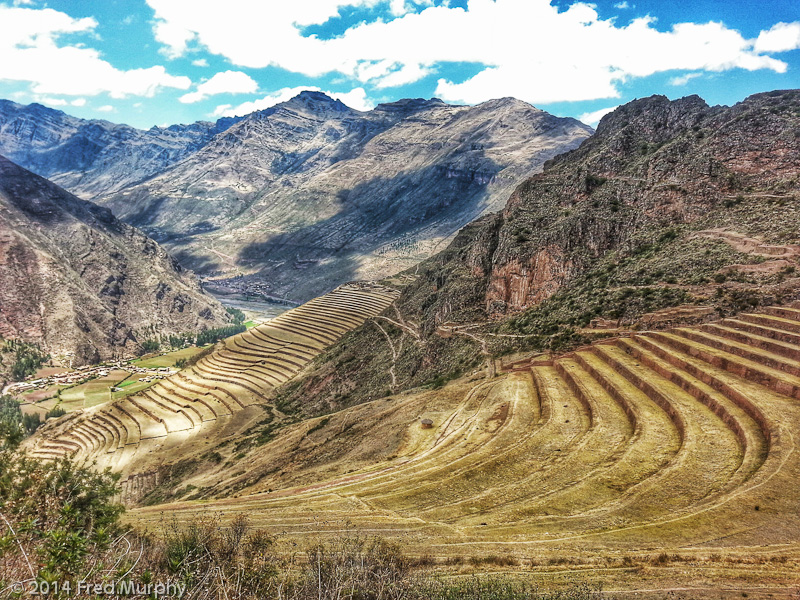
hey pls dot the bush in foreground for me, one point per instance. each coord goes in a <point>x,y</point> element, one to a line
<point>59,523</point>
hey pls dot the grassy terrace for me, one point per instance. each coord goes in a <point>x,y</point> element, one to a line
<point>222,387</point>
<point>662,456</point>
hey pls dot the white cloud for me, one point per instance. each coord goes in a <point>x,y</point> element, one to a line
<point>78,102</point>
<point>781,37</point>
<point>527,48</point>
<point>225,82</point>
<point>593,118</point>
<point>200,62</point>
<point>30,52</point>
<point>405,75</point>
<point>682,80</point>
<point>622,5</point>
<point>52,101</point>
<point>356,98</point>
<point>106,108</point>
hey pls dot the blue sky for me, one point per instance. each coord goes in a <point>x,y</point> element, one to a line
<point>157,62</point>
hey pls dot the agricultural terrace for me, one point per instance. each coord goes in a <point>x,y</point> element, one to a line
<point>206,398</point>
<point>680,443</point>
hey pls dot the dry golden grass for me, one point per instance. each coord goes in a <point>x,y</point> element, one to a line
<point>662,461</point>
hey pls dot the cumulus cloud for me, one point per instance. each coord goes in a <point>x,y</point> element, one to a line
<point>200,62</point>
<point>356,98</point>
<point>781,37</point>
<point>225,82</point>
<point>106,108</point>
<point>593,118</point>
<point>527,48</point>
<point>78,102</point>
<point>30,51</point>
<point>682,80</point>
<point>622,5</point>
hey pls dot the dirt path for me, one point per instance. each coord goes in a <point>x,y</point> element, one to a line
<point>749,245</point>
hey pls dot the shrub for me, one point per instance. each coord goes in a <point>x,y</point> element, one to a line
<point>211,336</point>
<point>55,413</point>
<point>28,358</point>
<point>151,345</point>
<point>57,512</point>
<point>238,316</point>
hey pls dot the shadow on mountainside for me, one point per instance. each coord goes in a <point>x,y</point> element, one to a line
<point>429,203</point>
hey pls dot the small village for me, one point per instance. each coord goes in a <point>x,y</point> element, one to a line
<point>87,373</point>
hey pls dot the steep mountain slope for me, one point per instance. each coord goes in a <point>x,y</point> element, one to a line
<point>671,203</point>
<point>83,284</point>
<point>310,193</point>
<point>93,158</point>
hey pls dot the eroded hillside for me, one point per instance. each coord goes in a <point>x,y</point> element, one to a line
<point>80,283</point>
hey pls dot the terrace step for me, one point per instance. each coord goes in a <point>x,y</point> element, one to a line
<point>750,338</point>
<point>737,390</point>
<point>779,381</point>
<point>710,449</point>
<point>745,350</point>
<point>771,321</point>
<point>762,330</point>
<point>752,435</point>
<point>151,426</point>
<point>236,375</point>
<point>668,428</point>
<point>785,312</point>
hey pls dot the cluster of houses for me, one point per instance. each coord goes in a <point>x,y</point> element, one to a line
<point>83,374</point>
<point>247,286</point>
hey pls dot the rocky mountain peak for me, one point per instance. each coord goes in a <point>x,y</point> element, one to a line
<point>409,105</point>
<point>657,117</point>
<point>508,103</point>
<point>317,102</point>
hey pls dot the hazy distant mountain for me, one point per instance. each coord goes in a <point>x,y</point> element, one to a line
<point>302,196</point>
<point>91,158</point>
<point>80,282</point>
<point>310,193</point>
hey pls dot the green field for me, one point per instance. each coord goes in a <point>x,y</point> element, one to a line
<point>92,393</point>
<point>168,359</point>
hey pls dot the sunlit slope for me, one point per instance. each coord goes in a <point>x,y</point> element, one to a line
<point>661,440</point>
<point>200,401</point>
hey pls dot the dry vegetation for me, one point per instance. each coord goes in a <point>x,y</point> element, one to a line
<point>662,457</point>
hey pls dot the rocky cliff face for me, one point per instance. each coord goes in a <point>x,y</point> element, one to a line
<point>94,158</point>
<point>310,193</point>
<point>82,284</point>
<point>662,207</point>
<point>653,163</point>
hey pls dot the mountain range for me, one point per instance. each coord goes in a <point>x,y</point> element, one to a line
<point>92,158</point>
<point>296,199</point>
